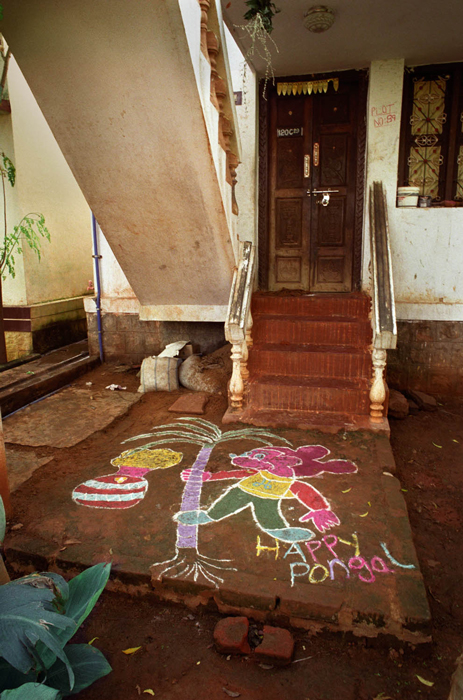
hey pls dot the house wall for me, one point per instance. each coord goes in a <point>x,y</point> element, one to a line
<point>44,302</point>
<point>131,332</point>
<point>245,82</point>
<point>427,255</point>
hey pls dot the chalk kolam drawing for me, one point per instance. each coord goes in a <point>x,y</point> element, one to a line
<point>266,477</point>
<point>128,486</point>
<point>188,561</point>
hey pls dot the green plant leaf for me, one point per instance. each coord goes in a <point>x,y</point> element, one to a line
<point>84,591</point>
<point>31,691</point>
<point>27,616</point>
<point>10,169</point>
<point>12,678</point>
<point>88,664</point>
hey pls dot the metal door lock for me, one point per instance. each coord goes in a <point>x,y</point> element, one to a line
<point>325,200</point>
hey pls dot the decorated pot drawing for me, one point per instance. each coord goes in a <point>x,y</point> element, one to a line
<point>128,486</point>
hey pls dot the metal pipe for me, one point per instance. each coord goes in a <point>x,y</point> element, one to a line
<point>97,257</point>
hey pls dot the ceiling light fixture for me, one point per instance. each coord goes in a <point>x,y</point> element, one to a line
<point>318,19</point>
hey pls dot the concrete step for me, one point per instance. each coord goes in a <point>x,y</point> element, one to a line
<point>306,330</point>
<point>43,377</point>
<point>310,361</point>
<point>354,305</point>
<point>328,395</point>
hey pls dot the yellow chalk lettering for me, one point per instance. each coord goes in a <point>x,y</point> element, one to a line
<point>312,578</point>
<point>262,548</point>
<point>355,543</point>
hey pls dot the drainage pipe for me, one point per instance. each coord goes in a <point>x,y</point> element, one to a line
<point>97,257</point>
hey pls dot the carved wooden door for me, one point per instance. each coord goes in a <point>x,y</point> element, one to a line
<point>312,190</point>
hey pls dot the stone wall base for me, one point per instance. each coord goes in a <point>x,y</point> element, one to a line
<point>128,340</point>
<point>43,327</point>
<point>429,357</point>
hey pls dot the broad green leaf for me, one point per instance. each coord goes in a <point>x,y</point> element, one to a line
<point>12,678</point>
<point>84,591</point>
<point>27,616</point>
<point>88,664</point>
<point>31,691</point>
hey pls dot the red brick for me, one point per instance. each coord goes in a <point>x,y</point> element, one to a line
<point>277,646</point>
<point>190,403</point>
<point>231,635</point>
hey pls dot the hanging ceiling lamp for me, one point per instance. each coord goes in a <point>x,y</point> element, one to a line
<point>318,19</point>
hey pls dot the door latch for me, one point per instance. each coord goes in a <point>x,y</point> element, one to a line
<point>325,200</point>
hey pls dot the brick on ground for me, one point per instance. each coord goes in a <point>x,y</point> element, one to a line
<point>424,401</point>
<point>398,405</point>
<point>231,635</point>
<point>277,646</point>
<point>190,403</point>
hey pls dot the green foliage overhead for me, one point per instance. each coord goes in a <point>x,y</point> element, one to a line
<point>10,170</point>
<point>30,230</point>
<point>266,9</point>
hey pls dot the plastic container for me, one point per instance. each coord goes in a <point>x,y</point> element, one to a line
<point>407,196</point>
<point>424,201</point>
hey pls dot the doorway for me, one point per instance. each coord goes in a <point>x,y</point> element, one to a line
<point>315,156</point>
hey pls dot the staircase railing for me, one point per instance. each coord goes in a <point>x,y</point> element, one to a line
<point>238,325</point>
<point>383,318</point>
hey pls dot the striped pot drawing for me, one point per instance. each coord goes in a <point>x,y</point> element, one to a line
<point>128,486</point>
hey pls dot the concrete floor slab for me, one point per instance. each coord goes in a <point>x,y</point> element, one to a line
<point>294,527</point>
<point>21,464</point>
<point>68,417</point>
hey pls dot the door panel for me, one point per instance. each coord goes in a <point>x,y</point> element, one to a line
<point>312,147</point>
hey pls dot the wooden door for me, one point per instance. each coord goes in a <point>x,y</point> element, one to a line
<point>312,160</point>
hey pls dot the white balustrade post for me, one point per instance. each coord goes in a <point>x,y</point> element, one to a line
<point>249,340</point>
<point>236,382</point>
<point>244,362</point>
<point>378,388</point>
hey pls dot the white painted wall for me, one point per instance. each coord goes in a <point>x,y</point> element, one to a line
<point>13,290</point>
<point>118,89</point>
<point>427,244</point>
<point>45,184</point>
<point>244,80</point>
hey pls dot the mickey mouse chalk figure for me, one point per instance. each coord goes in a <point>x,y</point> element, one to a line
<point>266,477</point>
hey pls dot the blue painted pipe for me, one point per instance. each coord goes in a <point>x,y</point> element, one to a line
<point>97,257</point>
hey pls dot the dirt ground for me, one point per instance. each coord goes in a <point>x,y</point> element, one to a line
<point>177,658</point>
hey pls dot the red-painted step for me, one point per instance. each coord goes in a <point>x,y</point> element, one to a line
<point>310,361</point>
<point>354,305</point>
<point>304,394</point>
<point>304,330</point>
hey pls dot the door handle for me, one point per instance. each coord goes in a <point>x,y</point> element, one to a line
<point>306,166</point>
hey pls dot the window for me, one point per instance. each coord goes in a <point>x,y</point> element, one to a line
<point>431,152</point>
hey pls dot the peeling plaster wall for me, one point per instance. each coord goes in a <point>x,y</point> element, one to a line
<point>427,244</point>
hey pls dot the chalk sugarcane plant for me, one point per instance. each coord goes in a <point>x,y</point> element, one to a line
<point>188,561</point>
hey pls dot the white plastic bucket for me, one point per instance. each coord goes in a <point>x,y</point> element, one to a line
<point>407,196</point>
